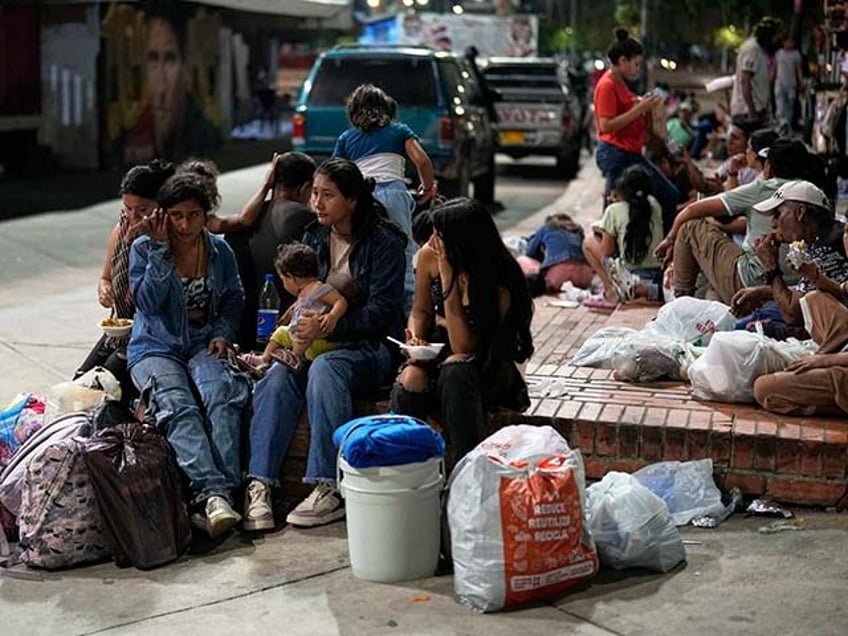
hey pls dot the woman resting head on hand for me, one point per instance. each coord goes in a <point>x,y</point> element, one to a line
<point>188,300</point>
<point>469,289</point>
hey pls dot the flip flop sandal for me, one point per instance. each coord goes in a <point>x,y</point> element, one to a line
<point>286,357</point>
<point>599,302</point>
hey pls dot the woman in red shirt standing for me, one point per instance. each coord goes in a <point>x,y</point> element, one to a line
<point>620,117</point>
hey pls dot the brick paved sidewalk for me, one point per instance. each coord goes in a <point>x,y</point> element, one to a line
<point>624,426</point>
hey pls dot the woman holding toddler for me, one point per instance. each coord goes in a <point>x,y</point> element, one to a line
<point>360,254</point>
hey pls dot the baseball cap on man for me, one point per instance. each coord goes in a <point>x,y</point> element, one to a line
<point>801,191</point>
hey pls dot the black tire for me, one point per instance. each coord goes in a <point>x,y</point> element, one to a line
<point>484,185</point>
<point>568,164</point>
<point>452,188</point>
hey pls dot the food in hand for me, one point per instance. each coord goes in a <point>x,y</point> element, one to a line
<point>415,341</point>
<point>115,322</point>
<point>798,254</point>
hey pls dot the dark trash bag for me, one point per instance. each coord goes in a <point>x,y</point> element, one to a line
<point>139,494</point>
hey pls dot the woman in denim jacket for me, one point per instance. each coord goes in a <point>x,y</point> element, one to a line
<point>188,298</point>
<point>361,254</point>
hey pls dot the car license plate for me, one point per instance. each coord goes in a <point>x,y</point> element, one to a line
<point>512,137</point>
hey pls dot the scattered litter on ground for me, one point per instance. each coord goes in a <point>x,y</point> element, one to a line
<point>767,508</point>
<point>562,303</point>
<point>712,521</point>
<point>781,525</point>
<point>692,542</point>
<point>419,598</point>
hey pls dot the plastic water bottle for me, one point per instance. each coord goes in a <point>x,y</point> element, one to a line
<point>269,308</point>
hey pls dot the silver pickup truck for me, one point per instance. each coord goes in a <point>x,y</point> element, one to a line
<point>537,112</point>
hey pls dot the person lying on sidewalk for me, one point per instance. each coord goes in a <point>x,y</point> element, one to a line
<point>188,298</point>
<point>471,294</point>
<point>801,215</point>
<point>554,255</point>
<point>621,251</point>
<point>701,246</point>
<point>263,224</point>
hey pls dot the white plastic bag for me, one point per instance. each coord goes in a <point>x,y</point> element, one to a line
<point>687,488</point>
<point>631,526</point>
<point>516,514</point>
<point>734,360</point>
<point>691,319</point>
<point>647,357</point>
<point>600,347</point>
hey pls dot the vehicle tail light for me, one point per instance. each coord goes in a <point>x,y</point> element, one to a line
<point>566,120</point>
<point>298,129</point>
<point>447,132</point>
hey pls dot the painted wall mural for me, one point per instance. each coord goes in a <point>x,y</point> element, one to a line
<point>161,72</point>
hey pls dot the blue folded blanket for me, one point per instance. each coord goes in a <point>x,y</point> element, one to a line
<point>387,440</point>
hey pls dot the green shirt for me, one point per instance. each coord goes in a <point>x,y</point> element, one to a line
<point>614,222</point>
<point>678,131</point>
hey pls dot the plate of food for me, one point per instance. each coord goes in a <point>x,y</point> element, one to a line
<point>419,349</point>
<point>116,327</point>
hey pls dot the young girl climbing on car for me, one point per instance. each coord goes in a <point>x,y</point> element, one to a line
<point>379,145</point>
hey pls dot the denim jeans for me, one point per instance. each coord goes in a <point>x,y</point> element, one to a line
<point>205,436</point>
<point>327,385</point>
<point>399,204</point>
<point>784,104</point>
<point>613,161</point>
<point>461,393</point>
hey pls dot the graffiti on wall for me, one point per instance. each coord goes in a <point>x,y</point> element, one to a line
<point>161,89</point>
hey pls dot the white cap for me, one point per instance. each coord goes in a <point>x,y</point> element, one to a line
<point>802,191</point>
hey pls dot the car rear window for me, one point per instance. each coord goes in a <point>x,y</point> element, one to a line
<point>519,75</point>
<point>409,81</point>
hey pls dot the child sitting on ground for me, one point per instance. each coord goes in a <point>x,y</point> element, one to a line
<point>297,266</point>
<point>630,229</point>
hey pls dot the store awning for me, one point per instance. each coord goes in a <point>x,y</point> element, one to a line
<point>294,8</point>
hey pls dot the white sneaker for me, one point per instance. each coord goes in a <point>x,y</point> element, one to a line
<point>258,513</point>
<point>220,516</point>
<point>323,505</point>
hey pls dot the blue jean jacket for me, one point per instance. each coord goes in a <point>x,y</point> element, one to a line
<point>161,326</point>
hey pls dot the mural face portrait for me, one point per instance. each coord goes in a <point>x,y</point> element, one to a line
<point>166,78</point>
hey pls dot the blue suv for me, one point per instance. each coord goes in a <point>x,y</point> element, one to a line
<point>438,97</point>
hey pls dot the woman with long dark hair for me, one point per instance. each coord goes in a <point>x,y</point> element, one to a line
<point>471,294</point>
<point>622,120</point>
<point>138,191</point>
<point>621,251</point>
<point>361,254</point>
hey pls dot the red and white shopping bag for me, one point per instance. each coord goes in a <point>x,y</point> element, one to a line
<point>516,523</point>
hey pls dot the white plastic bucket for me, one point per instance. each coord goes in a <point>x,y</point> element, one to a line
<point>393,519</point>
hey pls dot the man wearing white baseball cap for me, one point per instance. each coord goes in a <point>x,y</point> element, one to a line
<point>802,217</point>
<point>817,384</point>
<point>701,246</point>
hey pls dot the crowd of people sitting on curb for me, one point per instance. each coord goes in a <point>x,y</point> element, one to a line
<point>341,264</point>
<point>352,268</point>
